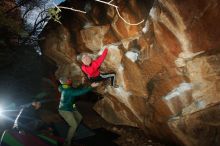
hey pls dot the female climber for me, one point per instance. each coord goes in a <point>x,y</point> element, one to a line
<point>91,69</point>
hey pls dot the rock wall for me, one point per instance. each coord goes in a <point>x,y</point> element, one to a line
<point>167,67</point>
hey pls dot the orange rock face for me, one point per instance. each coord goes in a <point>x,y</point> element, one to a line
<point>167,67</point>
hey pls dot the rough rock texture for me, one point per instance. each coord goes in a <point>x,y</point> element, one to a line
<point>167,67</point>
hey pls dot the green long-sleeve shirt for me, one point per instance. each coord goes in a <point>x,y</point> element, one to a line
<point>68,96</point>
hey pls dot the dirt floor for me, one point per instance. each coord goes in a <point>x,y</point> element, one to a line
<point>128,136</point>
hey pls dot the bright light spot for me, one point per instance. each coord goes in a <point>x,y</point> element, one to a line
<point>1,111</point>
<point>146,27</point>
<point>133,56</point>
<point>153,13</point>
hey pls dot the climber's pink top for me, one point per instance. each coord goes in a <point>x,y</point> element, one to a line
<point>93,69</point>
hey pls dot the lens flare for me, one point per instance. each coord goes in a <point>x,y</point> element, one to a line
<point>1,111</point>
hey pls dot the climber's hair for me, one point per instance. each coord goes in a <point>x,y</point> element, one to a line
<point>79,57</point>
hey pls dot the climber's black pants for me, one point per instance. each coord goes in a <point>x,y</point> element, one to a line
<point>103,77</point>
